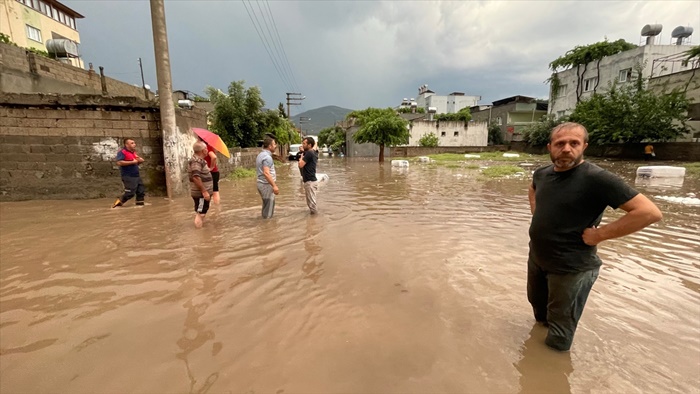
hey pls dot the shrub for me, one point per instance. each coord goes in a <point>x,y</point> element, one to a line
<point>429,140</point>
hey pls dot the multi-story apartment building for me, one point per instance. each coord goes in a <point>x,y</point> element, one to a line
<point>46,25</point>
<point>449,104</point>
<point>619,68</point>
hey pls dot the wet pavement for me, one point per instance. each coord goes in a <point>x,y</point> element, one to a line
<point>408,281</point>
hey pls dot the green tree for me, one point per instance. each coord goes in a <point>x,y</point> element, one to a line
<point>383,127</point>
<point>237,116</point>
<point>271,122</point>
<point>407,110</point>
<point>429,140</point>
<point>333,137</point>
<point>495,135</point>
<point>632,113</point>
<point>537,134</point>
<point>280,109</point>
<point>579,57</point>
<point>462,115</point>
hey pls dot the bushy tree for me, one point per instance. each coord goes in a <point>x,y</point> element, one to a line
<point>632,113</point>
<point>333,137</point>
<point>537,134</point>
<point>462,115</point>
<point>383,127</point>
<point>237,114</point>
<point>429,140</point>
<point>407,110</point>
<point>495,135</point>
<point>271,122</point>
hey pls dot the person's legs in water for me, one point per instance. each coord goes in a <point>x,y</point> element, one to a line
<point>140,193</point>
<point>567,298</point>
<point>268,200</point>
<point>131,184</point>
<point>537,291</point>
<point>201,206</point>
<point>215,196</point>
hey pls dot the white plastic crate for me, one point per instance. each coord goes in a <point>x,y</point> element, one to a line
<point>399,163</point>
<point>511,155</point>
<point>661,172</point>
<point>424,159</point>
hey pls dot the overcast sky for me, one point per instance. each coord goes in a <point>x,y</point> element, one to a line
<point>357,54</point>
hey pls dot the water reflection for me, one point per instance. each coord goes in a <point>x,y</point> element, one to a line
<point>543,370</point>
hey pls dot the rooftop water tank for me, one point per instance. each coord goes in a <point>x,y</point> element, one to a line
<point>62,48</point>
<point>681,32</point>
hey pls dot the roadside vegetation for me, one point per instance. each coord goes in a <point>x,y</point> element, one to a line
<point>241,172</point>
<point>692,169</point>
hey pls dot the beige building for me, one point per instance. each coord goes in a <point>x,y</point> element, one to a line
<point>46,25</point>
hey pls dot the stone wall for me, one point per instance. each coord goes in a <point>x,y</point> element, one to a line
<point>64,146</point>
<point>26,72</point>
<point>680,151</point>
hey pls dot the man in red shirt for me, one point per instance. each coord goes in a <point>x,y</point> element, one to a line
<point>128,161</point>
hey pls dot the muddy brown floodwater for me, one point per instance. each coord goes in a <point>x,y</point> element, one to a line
<point>408,281</point>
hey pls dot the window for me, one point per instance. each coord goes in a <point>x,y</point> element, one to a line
<point>34,34</point>
<point>71,23</point>
<point>560,114</point>
<point>589,84</point>
<point>499,121</point>
<point>443,134</point>
<point>625,75</point>
<point>561,91</point>
<point>456,134</point>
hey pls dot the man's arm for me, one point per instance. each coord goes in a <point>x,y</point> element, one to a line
<point>531,197</point>
<point>641,212</point>
<point>302,163</point>
<point>268,176</point>
<point>198,182</point>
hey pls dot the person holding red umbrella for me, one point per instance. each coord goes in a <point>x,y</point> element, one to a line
<point>211,162</point>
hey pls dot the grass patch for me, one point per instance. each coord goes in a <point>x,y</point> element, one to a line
<point>494,156</point>
<point>240,172</point>
<point>501,171</point>
<point>472,166</point>
<point>453,165</point>
<point>692,168</point>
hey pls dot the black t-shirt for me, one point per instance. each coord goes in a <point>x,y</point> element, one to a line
<point>308,173</point>
<point>566,203</point>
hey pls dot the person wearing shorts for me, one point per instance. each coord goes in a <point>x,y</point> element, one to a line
<point>201,182</point>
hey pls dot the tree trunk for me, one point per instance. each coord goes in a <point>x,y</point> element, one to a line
<point>381,153</point>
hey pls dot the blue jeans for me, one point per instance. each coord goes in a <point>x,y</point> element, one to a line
<point>558,300</point>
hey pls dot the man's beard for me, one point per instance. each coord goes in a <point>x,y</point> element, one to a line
<point>566,162</point>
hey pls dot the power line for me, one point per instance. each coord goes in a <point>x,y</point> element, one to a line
<point>265,44</point>
<point>280,62</point>
<point>286,58</point>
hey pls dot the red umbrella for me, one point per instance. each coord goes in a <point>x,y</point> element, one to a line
<point>212,140</point>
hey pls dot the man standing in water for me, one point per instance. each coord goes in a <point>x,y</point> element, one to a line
<point>128,161</point>
<point>567,200</point>
<point>307,165</point>
<point>201,182</point>
<point>267,177</point>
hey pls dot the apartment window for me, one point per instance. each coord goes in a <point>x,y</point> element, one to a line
<point>443,134</point>
<point>44,8</point>
<point>71,23</point>
<point>499,121</point>
<point>589,84</point>
<point>34,34</point>
<point>561,91</point>
<point>456,134</point>
<point>560,114</point>
<point>625,75</point>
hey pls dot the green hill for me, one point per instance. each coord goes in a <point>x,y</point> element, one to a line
<point>320,118</point>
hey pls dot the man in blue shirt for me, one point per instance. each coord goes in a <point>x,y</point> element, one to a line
<point>128,161</point>
<point>267,177</point>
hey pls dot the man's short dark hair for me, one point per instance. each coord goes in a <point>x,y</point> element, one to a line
<point>267,142</point>
<point>310,141</point>
<point>569,125</point>
<point>127,140</point>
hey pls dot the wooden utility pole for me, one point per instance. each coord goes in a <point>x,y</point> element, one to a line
<point>173,169</point>
<point>290,101</point>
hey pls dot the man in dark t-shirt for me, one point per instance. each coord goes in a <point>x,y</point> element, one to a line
<point>567,200</point>
<point>307,165</point>
<point>128,161</point>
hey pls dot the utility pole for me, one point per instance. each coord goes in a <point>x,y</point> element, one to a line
<point>290,101</point>
<point>143,81</point>
<point>173,182</point>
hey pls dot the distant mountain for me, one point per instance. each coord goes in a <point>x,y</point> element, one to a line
<point>320,118</point>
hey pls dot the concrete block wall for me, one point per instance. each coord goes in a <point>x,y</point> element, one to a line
<point>33,65</point>
<point>65,149</point>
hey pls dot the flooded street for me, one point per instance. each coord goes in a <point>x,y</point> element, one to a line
<point>408,281</point>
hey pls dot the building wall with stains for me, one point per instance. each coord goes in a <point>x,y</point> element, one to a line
<point>64,146</point>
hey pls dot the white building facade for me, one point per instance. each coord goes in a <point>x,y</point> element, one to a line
<point>450,133</point>
<point>449,104</point>
<point>619,68</point>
